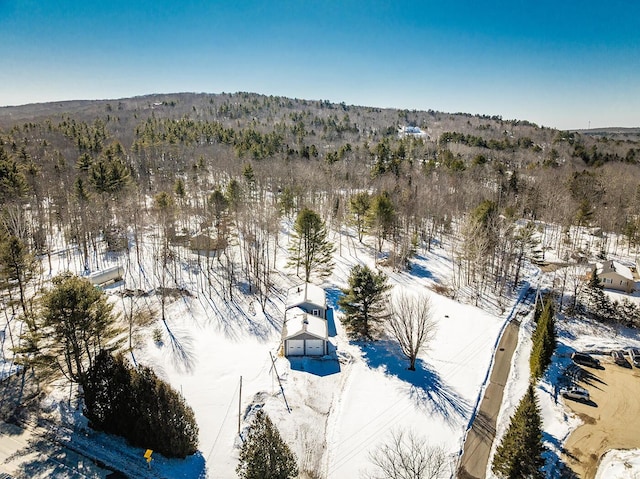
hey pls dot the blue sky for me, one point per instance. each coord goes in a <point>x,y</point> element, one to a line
<point>565,64</point>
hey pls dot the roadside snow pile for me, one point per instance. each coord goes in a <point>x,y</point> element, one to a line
<point>617,464</point>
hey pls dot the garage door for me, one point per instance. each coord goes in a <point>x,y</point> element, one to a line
<point>315,347</point>
<point>295,347</point>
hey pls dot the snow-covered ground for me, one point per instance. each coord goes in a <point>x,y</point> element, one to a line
<point>619,465</point>
<point>332,412</point>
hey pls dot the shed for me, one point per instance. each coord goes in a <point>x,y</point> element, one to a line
<point>304,334</point>
<point>114,273</point>
<point>308,297</point>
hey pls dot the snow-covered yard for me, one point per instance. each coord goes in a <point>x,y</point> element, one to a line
<point>339,407</point>
<point>333,411</point>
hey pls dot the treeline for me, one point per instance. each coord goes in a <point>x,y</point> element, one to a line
<point>226,180</point>
<point>492,144</point>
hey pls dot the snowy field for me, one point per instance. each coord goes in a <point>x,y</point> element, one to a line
<point>334,411</point>
<point>339,408</point>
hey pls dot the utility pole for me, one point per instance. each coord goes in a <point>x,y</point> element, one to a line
<point>273,363</point>
<point>239,405</point>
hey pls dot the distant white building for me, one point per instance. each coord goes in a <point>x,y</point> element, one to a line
<point>405,131</point>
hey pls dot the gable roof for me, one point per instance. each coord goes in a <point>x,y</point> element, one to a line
<point>614,267</point>
<point>297,323</point>
<point>306,293</point>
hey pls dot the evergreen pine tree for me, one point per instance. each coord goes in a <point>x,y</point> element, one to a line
<point>381,217</point>
<point>264,454</point>
<point>519,455</point>
<point>596,302</point>
<point>359,206</point>
<point>364,302</point>
<point>310,247</point>
<point>544,341</point>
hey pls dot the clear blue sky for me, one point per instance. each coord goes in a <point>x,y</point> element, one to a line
<point>566,64</point>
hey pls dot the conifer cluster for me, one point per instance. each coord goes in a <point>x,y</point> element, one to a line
<point>264,454</point>
<point>519,455</point>
<point>544,339</point>
<point>137,405</point>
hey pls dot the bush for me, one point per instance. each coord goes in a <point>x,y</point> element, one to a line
<point>137,405</point>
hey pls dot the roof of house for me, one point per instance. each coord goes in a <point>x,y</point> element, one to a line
<point>298,322</point>
<point>306,293</point>
<point>614,267</point>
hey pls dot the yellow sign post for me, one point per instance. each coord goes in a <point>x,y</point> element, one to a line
<point>147,456</point>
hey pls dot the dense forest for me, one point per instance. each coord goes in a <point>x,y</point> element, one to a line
<point>209,171</point>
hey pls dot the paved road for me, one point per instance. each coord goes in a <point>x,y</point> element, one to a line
<point>27,452</point>
<point>477,446</point>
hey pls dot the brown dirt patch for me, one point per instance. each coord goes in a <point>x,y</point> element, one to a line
<point>611,419</point>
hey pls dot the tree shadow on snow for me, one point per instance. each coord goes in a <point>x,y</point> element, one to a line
<point>419,270</point>
<point>333,295</point>
<point>555,465</point>
<point>425,386</point>
<point>182,355</point>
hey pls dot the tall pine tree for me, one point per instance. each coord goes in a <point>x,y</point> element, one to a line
<point>519,455</point>
<point>597,303</point>
<point>364,302</point>
<point>311,249</point>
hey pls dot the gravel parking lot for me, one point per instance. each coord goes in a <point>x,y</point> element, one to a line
<point>611,418</point>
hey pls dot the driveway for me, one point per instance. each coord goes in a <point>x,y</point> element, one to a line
<point>477,445</point>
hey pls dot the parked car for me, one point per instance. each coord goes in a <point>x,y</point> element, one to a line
<point>618,358</point>
<point>585,360</point>
<point>575,392</point>
<point>634,354</point>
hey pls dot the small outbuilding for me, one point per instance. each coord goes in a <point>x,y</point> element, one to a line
<point>107,275</point>
<point>304,334</point>
<point>310,298</point>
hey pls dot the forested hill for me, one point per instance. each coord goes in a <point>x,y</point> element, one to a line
<point>86,168</point>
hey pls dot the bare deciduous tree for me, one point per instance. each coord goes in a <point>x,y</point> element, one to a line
<point>411,324</point>
<point>407,456</point>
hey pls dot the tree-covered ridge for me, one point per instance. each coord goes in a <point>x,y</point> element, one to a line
<point>231,164</point>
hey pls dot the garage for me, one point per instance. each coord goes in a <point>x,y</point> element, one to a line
<point>304,334</point>
<point>295,347</point>
<point>314,347</point>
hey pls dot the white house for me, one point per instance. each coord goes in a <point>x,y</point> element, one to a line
<point>310,298</point>
<point>304,334</point>
<point>405,131</point>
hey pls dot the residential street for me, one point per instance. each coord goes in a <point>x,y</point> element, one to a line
<point>477,446</point>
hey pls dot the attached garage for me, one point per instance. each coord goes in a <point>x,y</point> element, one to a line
<point>304,334</point>
<point>314,347</point>
<point>295,347</point>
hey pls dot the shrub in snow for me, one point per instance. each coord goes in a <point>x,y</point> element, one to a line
<point>264,454</point>
<point>137,405</point>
